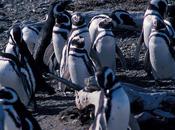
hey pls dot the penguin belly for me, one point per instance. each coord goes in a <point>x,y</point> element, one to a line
<point>120,110</point>
<point>78,70</point>
<point>106,52</point>
<point>163,65</point>
<point>58,44</point>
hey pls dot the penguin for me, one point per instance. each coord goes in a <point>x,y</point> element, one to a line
<point>61,30</point>
<point>15,114</point>
<point>156,9</point>
<point>80,65</point>
<point>117,106</point>
<point>79,29</point>
<point>105,44</point>
<point>121,19</point>
<point>45,34</point>
<point>161,53</point>
<point>15,70</point>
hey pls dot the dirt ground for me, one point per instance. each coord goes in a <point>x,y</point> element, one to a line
<point>58,111</point>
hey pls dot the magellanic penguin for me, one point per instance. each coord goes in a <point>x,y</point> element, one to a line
<point>79,63</point>
<point>61,30</point>
<point>16,67</point>
<point>112,106</point>
<point>156,9</point>
<point>45,35</point>
<point>38,35</point>
<point>79,28</point>
<point>121,20</point>
<point>105,44</point>
<point>15,114</point>
<point>161,52</point>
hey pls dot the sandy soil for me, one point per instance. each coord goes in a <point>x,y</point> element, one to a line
<point>58,111</point>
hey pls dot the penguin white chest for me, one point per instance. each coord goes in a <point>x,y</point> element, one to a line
<point>120,111</point>
<point>106,51</point>
<point>77,69</point>
<point>163,65</point>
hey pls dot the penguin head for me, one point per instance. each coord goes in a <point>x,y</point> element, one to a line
<point>59,7</point>
<point>161,5</point>
<point>106,23</point>
<point>15,35</point>
<point>78,42</point>
<point>105,78</point>
<point>58,12</point>
<point>77,19</point>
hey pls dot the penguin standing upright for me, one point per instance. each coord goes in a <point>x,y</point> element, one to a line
<point>16,67</point>
<point>79,28</point>
<point>61,30</point>
<point>105,44</point>
<point>79,63</point>
<point>156,9</point>
<point>161,53</point>
<point>117,108</point>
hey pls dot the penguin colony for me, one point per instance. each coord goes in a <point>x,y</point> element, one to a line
<point>73,48</point>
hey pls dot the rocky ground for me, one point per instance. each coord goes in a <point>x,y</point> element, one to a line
<point>58,112</point>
